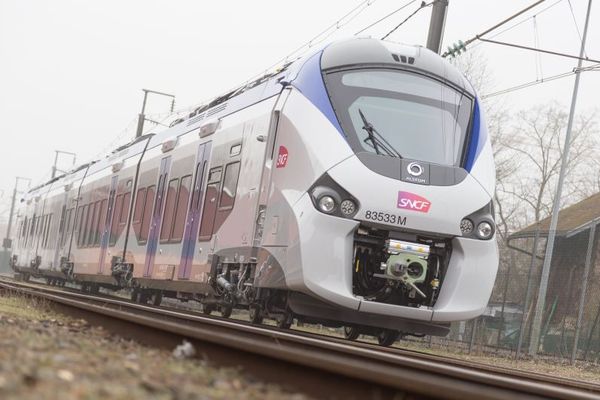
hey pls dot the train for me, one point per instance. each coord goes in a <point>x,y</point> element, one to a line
<point>352,187</point>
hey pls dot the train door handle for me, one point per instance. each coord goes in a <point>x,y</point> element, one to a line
<point>261,138</point>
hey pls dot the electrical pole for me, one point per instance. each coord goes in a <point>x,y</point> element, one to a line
<point>6,244</point>
<point>142,116</point>
<point>436,25</point>
<point>541,300</point>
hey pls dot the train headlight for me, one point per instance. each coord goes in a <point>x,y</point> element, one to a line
<point>479,224</point>
<point>348,208</point>
<point>330,198</point>
<point>466,226</point>
<point>485,230</point>
<point>327,204</point>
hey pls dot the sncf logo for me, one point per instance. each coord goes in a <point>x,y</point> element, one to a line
<point>413,202</point>
<point>282,157</point>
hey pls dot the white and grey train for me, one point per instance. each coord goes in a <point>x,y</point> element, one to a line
<point>352,188</point>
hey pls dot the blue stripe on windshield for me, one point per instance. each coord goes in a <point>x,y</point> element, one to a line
<point>310,83</point>
<point>478,138</point>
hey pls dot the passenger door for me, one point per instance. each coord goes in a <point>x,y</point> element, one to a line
<point>155,222</point>
<point>105,235</point>
<point>194,212</point>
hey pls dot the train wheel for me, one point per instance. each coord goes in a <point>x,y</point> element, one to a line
<point>226,311</point>
<point>157,298</point>
<point>26,277</point>
<point>256,316</point>
<point>207,309</point>
<point>135,295</point>
<point>284,321</point>
<point>351,332</point>
<point>144,297</point>
<point>387,337</point>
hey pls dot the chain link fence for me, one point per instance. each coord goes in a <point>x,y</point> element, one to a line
<point>570,323</point>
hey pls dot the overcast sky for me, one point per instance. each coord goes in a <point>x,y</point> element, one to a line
<point>71,72</point>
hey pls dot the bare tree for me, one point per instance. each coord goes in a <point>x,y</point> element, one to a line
<point>537,145</point>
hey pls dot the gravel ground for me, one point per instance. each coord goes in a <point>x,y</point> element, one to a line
<point>44,355</point>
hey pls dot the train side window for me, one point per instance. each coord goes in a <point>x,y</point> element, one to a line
<point>24,227</point>
<point>96,225</point>
<point>167,221</point>
<point>125,208</point>
<point>181,209</point>
<point>138,213</point>
<point>47,236</point>
<point>38,225</point>
<point>42,230</point>
<point>81,215</point>
<point>87,223</point>
<point>92,222</point>
<point>210,204</point>
<point>232,172</point>
<point>67,227</point>
<point>101,222</point>
<point>33,222</point>
<point>63,216</point>
<point>115,219</point>
<point>148,202</point>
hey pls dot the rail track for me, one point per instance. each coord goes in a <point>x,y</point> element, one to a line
<point>415,374</point>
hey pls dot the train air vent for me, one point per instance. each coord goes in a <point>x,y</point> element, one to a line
<point>197,118</point>
<point>216,109</point>
<point>403,59</point>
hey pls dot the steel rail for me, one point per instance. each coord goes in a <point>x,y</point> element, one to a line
<point>394,369</point>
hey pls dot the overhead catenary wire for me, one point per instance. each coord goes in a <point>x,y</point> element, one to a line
<point>423,5</point>
<point>520,22</point>
<point>323,35</point>
<point>556,53</point>
<point>525,85</point>
<point>299,51</point>
<point>385,17</point>
<point>499,24</point>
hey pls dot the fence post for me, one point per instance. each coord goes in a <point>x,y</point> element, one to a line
<point>501,327</point>
<point>528,293</point>
<point>473,334</point>
<point>586,273</point>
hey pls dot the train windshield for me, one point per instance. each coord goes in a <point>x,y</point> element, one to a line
<point>401,114</point>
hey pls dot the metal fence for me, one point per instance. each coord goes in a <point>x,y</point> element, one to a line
<point>570,322</point>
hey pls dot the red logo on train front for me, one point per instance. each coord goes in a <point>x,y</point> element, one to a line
<point>282,157</point>
<point>411,201</point>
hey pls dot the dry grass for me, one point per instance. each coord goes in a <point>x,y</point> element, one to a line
<point>44,355</point>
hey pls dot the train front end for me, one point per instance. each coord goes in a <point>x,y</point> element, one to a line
<point>396,229</point>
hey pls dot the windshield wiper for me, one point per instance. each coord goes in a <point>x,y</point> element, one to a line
<point>378,142</point>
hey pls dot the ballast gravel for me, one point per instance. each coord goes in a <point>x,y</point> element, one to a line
<point>45,355</point>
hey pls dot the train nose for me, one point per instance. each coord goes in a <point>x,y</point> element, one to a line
<point>438,209</point>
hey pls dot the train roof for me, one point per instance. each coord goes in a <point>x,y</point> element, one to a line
<point>360,51</point>
<point>342,53</point>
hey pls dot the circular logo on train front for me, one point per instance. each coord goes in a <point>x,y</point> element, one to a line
<point>414,169</point>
